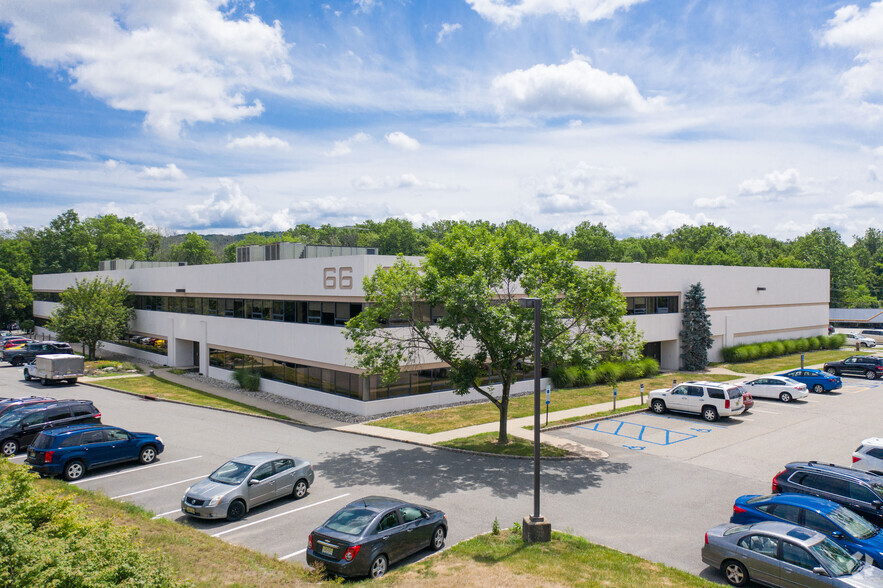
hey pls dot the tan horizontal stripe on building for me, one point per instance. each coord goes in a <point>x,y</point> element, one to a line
<point>649,294</point>
<point>756,306</point>
<point>770,331</point>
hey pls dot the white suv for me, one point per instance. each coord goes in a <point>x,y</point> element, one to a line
<point>852,339</point>
<point>712,400</point>
<point>869,456</point>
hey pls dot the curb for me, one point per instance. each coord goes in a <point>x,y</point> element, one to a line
<point>593,419</point>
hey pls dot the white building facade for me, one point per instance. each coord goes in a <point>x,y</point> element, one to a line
<point>285,318</point>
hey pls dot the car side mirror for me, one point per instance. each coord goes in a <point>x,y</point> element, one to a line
<point>253,482</point>
<point>820,571</point>
<point>877,504</point>
<point>837,535</point>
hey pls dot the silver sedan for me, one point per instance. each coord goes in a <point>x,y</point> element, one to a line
<point>246,482</point>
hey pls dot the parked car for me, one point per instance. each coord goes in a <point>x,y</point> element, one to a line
<point>868,456</point>
<point>246,482</point>
<point>7,404</point>
<point>852,339</point>
<point>875,334</point>
<point>366,536</point>
<point>815,380</point>
<point>712,400</point>
<point>830,330</point>
<point>861,492</point>
<point>16,342</point>
<point>847,529</point>
<point>785,389</point>
<point>782,554</point>
<point>72,451</point>
<point>19,427</point>
<point>26,354</point>
<point>747,401</point>
<point>858,365</point>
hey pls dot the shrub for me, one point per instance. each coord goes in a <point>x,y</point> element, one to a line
<point>814,343</point>
<point>632,371</point>
<point>495,526</point>
<point>649,367</point>
<point>836,341</point>
<point>609,372</point>
<point>560,377</point>
<point>753,351</point>
<point>790,346</point>
<point>802,345</point>
<point>27,325</point>
<point>766,349</point>
<point>778,348</point>
<point>247,379</point>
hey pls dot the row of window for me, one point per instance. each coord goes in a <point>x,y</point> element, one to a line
<point>651,304</point>
<point>344,383</point>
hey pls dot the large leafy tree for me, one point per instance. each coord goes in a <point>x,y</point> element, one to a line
<point>15,298</point>
<point>92,311</point>
<point>594,243</point>
<point>473,278</point>
<point>65,246</point>
<point>194,250</point>
<point>696,337</point>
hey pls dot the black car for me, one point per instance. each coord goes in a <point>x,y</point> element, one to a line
<point>19,427</point>
<point>7,404</point>
<point>26,354</point>
<point>857,490</point>
<point>867,366</point>
<point>366,536</point>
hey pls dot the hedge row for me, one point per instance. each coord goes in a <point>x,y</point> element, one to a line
<point>752,351</point>
<point>570,376</point>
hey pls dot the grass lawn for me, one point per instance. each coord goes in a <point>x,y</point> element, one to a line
<point>98,369</point>
<point>487,443</point>
<point>446,419</point>
<point>789,362</point>
<point>594,415</point>
<point>504,560</point>
<point>153,386</point>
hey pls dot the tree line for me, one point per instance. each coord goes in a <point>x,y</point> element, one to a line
<point>69,244</point>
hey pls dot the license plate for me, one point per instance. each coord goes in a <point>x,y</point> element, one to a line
<point>31,453</point>
<point>327,550</point>
<point>190,510</point>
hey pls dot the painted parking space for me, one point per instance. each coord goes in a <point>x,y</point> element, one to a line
<point>639,432</point>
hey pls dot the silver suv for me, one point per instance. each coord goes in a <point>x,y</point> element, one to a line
<point>712,400</point>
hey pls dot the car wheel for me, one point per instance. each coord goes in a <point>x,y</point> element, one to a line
<point>818,388</point>
<point>831,371</point>
<point>9,447</point>
<point>438,538</point>
<point>300,489</point>
<point>709,413</point>
<point>17,361</point>
<point>657,406</point>
<point>71,381</point>
<point>44,382</point>
<point>148,454</point>
<point>236,510</point>
<point>378,566</point>
<point>74,470</point>
<point>735,573</point>
<point>870,374</point>
<point>27,375</point>
<point>785,397</point>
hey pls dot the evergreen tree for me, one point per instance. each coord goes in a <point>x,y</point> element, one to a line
<point>696,334</point>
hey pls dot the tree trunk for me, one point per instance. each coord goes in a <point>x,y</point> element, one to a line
<point>503,439</point>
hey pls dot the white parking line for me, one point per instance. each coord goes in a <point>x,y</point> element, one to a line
<point>763,411</point>
<point>161,515</point>
<point>279,515</point>
<point>284,557</point>
<point>141,469</point>
<point>159,487</point>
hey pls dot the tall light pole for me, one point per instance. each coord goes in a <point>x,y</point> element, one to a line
<point>535,528</point>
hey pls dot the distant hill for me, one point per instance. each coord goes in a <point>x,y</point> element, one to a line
<point>217,242</point>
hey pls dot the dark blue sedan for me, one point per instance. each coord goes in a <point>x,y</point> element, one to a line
<point>816,380</point>
<point>71,451</point>
<point>843,526</point>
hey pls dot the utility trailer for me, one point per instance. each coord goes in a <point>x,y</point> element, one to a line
<point>55,367</point>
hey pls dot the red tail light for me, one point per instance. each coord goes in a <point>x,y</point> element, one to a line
<point>855,459</point>
<point>97,415</point>
<point>727,403</point>
<point>310,541</point>
<point>351,552</point>
<point>48,457</point>
<point>706,538</point>
<point>737,509</point>
<point>776,482</point>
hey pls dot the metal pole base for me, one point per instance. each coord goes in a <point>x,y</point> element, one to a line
<point>536,530</point>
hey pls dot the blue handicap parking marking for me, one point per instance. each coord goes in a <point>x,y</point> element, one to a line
<point>638,432</point>
<point>700,430</point>
<point>635,447</point>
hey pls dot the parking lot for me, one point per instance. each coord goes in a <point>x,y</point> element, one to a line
<point>668,478</point>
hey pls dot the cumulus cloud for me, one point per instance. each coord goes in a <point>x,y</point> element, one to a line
<point>862,31</point>
<point>714,203</point>
<point>169,172</point>
<point>580,188</point>
<point>861,199</point>
<point>178,61</point>
<point>446,30</point>
<point>403,181</point>
<point>641,222</point>
<point>510,13</point>
<point>4,222</point>
<point>259,141</point>
<point>774,185</point>
<point>878,151</point>
<point>365,6</point>
<point>572,87</point>
<point>227,207</point>
<point>402,141</point>
<point>345,147</point>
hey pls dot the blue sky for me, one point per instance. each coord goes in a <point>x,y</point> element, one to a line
<point>766,116</point>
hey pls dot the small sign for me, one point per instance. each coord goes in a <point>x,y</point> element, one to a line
<point>548,394</point>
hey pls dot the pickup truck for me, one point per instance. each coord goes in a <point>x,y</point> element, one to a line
<point>23,355</point>
<point>55,367</point>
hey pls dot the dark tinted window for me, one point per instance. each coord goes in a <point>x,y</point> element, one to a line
<point>388,521</point>
<point>283,464</point>
<point>827,484</point>
<point>694,391</point>
<point>798,556</point>
<point>715,393</point>
<point>787,512</point>
<point>263,472</point>
<point>90,437</point>
<point>82,410</point>
<point>817,522</point>
<point>859,492</point>
<point>876,452</point>
<point>56,414</point>
<point>42,442</point>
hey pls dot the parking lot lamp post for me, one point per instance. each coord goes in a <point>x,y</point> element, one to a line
<point>535,528</point>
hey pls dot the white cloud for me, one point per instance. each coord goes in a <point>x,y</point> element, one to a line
<point>259,141</point>
<point>446,30</point>
<point>365,6</point>
<point>169,172</point>
<point>878,151</point>
<point>179,61</point>
<point>575,86</point>
<point>345,147</point>
<point>575,123</point>
<point>773,185</point>
<point>111,164</point>
<point>861,31</point>
<point>714,203</point>
<point>402,141</point>
<point>403,181</point>
<point>861,199</point>
<point>641,222</point>
<point>227,207</point>
<point>4,222</point>
<point>509,13</point>
<point>580,188</point>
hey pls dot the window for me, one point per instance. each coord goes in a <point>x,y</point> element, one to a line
<point>716,393</point>
<point>34,419</point>
<point>798,556</point>
<point>695,391</point>
<point>72,440</point>
<point>314,313</point>
<point>82,411</point>
<point>388,521</point>
<point>786,512</point>
<point>58,414</point>
<point>827,484</point>
<point>117,435</point>
<point>859,492</point>
<point>760,544</point>
<point>876,452</point>
<point>263,472</point>
<point>288,314</point>
<point>817,522</point>
<point>679,391</point>
<point>409,513</point>
<point>283,464</point>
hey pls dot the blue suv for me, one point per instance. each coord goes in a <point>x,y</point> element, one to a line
<point>71,451</point>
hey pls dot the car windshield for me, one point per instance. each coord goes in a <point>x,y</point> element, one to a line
<point>762,498</point>
<point>10,418</point>
<point>351,521</point>
<point>853,524</point>
<point>231,472</point>
<point>835,558</point>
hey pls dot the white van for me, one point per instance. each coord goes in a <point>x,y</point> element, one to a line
<point>875,334</point>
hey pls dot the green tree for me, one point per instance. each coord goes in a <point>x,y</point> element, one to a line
<point>92,311</point>
<point>474,278</point>
<point>823,248</point>
<point>594,243</point>
<point>696,332</point>
<point>15,299</point>
<point>860,297</point>
<point>194,250</point>
<point>64,246</point>
<point>116,238</point>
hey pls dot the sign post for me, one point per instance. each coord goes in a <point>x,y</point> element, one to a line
<point>548,400</point>
<point>642,394</point>
<point>614,399</point>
